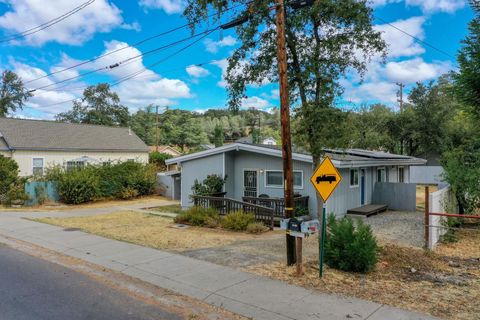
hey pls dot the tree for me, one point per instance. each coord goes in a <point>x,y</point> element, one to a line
<point>143,124</point>
<point>13,94</point>
<point>219,138</point>
<point>467,80</point>
<point>323,41</point>
<point>99,106</point>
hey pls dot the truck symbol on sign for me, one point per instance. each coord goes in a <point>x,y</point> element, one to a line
<point>326,178</point>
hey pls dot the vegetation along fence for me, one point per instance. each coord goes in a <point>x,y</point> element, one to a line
<point>278,204</point>
<point>226,205</point>
<point>437,204</point>
<point>39,192</point>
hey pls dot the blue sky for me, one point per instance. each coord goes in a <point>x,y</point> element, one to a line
<point>107,25</point>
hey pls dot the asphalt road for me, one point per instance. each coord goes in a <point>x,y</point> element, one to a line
<point>34,289</point>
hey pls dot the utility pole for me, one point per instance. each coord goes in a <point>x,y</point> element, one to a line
<point>285,122</point>
<point>156,129</point>
<point>400,95</point>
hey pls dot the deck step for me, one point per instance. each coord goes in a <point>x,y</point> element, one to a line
<point>368,210</point>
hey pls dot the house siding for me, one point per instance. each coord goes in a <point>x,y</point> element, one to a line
<point>24,159</point>
<point>199,169</point>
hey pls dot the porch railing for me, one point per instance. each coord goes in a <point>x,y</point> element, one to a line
<point>278,204</point>
<point>227,205</point>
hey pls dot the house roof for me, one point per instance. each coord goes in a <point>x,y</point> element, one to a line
<point>21,134</point>
<point>345,158</point>
<point>164,148</point>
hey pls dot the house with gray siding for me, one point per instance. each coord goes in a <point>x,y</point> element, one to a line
<point>254,170</point>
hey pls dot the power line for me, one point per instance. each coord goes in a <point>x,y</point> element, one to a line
<point>416,38</point>
<point>133,75</point>
<point>133,45</point>
<point>47,24</point>
<point>127,60</point>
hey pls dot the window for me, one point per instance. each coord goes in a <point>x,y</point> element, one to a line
<point>37,166</point>
<point>74,165</point>
<point>274,179</point>
<point>353,177</point>
<point>381,176</point>
<point>401,174</point>
<point>298,179</point>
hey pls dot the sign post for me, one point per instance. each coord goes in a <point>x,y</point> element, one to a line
<point>325,179</point>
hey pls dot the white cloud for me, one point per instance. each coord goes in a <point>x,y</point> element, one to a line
<point>213,46</point>
<point>381,91</point>
<point>427,6</point>
<point>100,16</point>
<point>255,102</point>
<point>197,71</point>
<point>400,44</point>
<point>415,70</point>
<point>169,6</point>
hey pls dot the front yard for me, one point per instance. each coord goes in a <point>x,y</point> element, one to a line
<point>151,231</point>
<point>444,283</point>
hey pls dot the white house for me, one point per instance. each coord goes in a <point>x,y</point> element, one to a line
<point>38,144</point>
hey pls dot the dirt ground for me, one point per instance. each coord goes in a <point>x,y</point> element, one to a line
<point>444,283</point>
<point>153,231</point>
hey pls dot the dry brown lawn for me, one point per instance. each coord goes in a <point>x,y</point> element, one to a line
<point>445,283</point>
<point>151,231</point>
<point>147,201</point>
<point>421,196</point>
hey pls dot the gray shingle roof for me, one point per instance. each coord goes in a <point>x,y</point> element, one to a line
<point>21,134</point>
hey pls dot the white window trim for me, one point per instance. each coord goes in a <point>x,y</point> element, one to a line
<point>275,186</point>
<point>358,178</point>
<point>43,164</point>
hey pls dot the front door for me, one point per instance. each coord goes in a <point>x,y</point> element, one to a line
<point>250,183</point>
<point>362,186</point>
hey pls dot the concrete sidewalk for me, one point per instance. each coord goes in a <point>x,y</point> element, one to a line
<point>239,292</point>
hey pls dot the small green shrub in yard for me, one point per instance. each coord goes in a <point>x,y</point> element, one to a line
<point>237,221</point>
<point>256,227</point>
<point>198,216</point>
<point>349,247</point>
<point>79,186</point>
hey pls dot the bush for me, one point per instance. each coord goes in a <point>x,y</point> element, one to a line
<point>350,248</point>
<point>124,180</point>
<point>11,185</point>
<point>79,186</point>
<point>256,227</point>
<point>198,216</point>
<point>237,221</point>
<point>210,185</point>
<point>158,159</point>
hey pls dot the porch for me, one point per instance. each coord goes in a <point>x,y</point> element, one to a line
<point>266,210</point>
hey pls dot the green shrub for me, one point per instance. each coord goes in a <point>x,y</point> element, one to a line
<point>79,186</point>
<point>11,185</point>
<point>350,248</point>
<point>198,216</point>
<point>41,193</point>
<point>256,227</point>
<point>124,180</point>
<point>158,159</point>
<point>213,183</point>
<point>237,221</point>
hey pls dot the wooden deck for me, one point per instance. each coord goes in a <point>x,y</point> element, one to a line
<point>368,210</point>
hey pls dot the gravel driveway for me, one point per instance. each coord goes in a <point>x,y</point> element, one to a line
<point>399,227</point>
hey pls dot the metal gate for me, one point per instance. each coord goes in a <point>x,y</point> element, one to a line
<point>250,183</point>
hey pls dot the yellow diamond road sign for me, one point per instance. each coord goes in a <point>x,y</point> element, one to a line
<point>326,178</point>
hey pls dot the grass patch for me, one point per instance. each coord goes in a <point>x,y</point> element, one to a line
<point>149,230</point>
<point>172,208</point>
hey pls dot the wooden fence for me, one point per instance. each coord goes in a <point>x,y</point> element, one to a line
<point>278,204</point>
<point>227,205</point>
